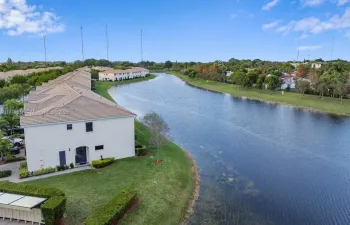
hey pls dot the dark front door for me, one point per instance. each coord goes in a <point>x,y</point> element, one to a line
<point>62,158</point>
<point>80,157</point>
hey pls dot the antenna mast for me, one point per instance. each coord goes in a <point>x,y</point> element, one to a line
<point>44,37</point>
<point>82,41</point>
<point>107,39</point>
<point>141,48</point>
<point>332,48</point>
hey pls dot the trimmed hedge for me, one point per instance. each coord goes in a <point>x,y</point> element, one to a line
<point>53,209</point>
<point>102,163</point>
<point>141,150</point>
<point>113,210</point>
<point>15,159</point>
<point>5,173</point>
<point>29,189</point>
<point>44,171</point>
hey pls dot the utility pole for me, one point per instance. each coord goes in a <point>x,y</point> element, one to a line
<point>107,39</point>
<point>298,53</point>
<point>82,41</point>
<point>332,48</point>
<point>44,37</point>
<point>141,48</point>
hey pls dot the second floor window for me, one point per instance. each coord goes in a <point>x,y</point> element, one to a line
<point>69,126</point>
<point>89,127</point>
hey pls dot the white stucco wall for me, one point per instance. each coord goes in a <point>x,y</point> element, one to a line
<point>43,143</point>
<point>121,76</point>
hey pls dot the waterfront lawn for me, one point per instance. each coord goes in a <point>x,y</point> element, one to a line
<point>330,105</point>
<point>163,202</point>
<point>103,86</point>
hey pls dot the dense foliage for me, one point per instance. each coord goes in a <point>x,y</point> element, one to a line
<point>53,209</point>
<point>113,210</point>
<point>5,173</point>
<point>29,189</point>
<point>102,162</point>
<point>44,171</point>
<point>10,65</point>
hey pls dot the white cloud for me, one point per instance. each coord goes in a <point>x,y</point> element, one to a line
<point>270,25</point>
<point>314,25</point>
<point>343,2</point>
<point>242,14</point>
<point>312,2</point>
<point>270,5</point>
<point>303,36</point>
<point>309,47</point>
<point>17,17</point>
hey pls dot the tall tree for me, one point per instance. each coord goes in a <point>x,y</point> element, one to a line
<point>341,90</point>
<point>159,129</point>
<point>12,111</point>
<point>302,86</point>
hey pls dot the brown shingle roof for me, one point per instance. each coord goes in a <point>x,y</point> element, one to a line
<point>63,101</point>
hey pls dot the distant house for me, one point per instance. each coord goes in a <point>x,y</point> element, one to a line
<point>288,81</point>
<point>114,75</point>
<point>316,65</point>
<point>228,73</point>
<point>65,122</point>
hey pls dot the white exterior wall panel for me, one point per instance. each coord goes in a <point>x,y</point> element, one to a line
<point>43,143</point>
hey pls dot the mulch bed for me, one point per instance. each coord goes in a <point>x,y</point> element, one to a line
<point>158,162</point>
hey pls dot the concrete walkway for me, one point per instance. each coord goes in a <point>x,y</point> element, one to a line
<point>15,176</point>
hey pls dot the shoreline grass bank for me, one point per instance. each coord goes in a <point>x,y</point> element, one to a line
<point>165,201</point>
<point>309,102</point>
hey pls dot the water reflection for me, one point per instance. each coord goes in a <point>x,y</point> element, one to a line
<point>259,163</point>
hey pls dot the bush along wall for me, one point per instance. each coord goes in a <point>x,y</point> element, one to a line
<point>113,210</point>
<point>52,209</point>
<point>102,163</point>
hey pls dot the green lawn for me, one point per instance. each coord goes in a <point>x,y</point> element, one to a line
<point>330,105</point>
<point>163,203</point>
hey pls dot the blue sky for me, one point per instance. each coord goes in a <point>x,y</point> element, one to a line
<point>183,30</point>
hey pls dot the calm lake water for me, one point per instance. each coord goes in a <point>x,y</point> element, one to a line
<point>259,163</point>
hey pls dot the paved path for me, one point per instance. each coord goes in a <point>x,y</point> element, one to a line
<point>11,166</point>
<point>15,177</point>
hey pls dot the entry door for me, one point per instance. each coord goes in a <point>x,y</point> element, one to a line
<point>63,158</point>
<point>81,157</point>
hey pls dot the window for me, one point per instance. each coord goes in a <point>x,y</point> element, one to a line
<point>69,126</point>
<point>99,147</point>
<point>88,127</point>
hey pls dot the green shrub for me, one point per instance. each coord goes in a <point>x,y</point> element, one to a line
<point>15,159</point>
<point>44,171</point>
<point>29,189</point>
<point>141,150</point>
<point>71,165</point>
<point>53,209</point>
<point>23,173</point>
<point>58,168</point>
<point>5,173</point>
<point>66,167</point>
<point>23,165</point>
<point>113,210</point>
<point>103,162</point>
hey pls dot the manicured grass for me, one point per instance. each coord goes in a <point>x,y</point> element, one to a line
<point>103,86</point>
<point>163,202</point>
<point>329,105</point>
